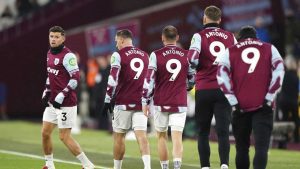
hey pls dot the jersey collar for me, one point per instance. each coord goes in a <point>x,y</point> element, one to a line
<point>170,45</point>
<point>211,25</point>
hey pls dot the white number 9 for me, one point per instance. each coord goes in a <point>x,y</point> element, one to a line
<point>215,53</point>
<point>139,69</point>
<point>216,44</point>
<point>252,61</point>
<point>173,71</point>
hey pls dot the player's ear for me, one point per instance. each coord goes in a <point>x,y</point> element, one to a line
<point>177,38</point>
<point>204,19</point>
<point>162,38</point>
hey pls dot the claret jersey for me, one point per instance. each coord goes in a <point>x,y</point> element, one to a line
<point>167,78</point>
<point>205,47</point>
<point>250,72</point>
<point>63,75</point>
<point>125,82</point>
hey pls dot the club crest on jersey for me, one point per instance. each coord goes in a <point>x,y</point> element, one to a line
<point>56,61</point>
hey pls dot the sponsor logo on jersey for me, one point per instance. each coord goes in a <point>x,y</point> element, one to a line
<point>72,61</point>
<point>53,71</point>
<point>113,59</point>
<point>193,40</point>
<point>56,61</point>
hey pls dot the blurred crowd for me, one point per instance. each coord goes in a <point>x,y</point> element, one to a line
<point>11,11</point>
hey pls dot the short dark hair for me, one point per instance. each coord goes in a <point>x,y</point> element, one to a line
<point>57,29</point>
<point>213,13</point>
<point>247,32</point>
<point>124,33</point>
<point>170,32</point>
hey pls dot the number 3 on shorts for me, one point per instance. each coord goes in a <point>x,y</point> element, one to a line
<point>64,116</point>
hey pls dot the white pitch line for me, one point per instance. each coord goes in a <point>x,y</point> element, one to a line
<point>42,158</point>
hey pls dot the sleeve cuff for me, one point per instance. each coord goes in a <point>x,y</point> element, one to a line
<point>144,102</point>
<point>231,99</point>
<point>107,99</point>
<point>59,98</point>
<point>270,97</point>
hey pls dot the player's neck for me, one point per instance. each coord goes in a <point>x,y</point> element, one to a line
<point>56,50</point>
<point>128,45</point>
<point>212,24</point>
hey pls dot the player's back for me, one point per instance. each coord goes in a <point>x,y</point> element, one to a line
<point>214,41</point>
<point>134,63</point>
<point>251,67</point>
<point>171,77</point>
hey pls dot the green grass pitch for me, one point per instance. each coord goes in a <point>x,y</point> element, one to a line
<point>25,137</point>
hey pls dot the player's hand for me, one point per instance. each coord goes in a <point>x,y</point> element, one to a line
<point>108,107</point>
<point>56,105</point>
<point>267,107</point>
<point>190,85</point>
<point>58,100</point>
<point>236,110</point>
<point>189,88</point>
<point>146,110</point>
<point>45,99</point>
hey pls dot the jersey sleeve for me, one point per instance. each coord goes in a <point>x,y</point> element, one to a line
<point>113,76</point>
<point>277,74</point>
<point>70,64</point>
<point>223,78</point>
<point>190,77</point>
<point>194,50</point>
<point>223,59</point>
<point>115,60</point>
<point>149,81</point>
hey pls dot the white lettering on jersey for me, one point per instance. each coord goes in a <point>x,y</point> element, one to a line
<point>248,42</point>
<point>132,51</point>
<point>252,61</point>
<point>220,34</point>
<point>139,69</point>
<point>175,71</point>
<point>177,52</point>
<point>53,71</point>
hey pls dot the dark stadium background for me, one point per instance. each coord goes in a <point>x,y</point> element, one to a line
<point>23,46</point>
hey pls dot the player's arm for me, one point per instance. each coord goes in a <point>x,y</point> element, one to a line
<point>277,75</point>
<point>70,64</point>
<point>194,50</point>
<point>149,83</point>
<point>224,80</point>
<point>113,77</point>
<point>190,78</point>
